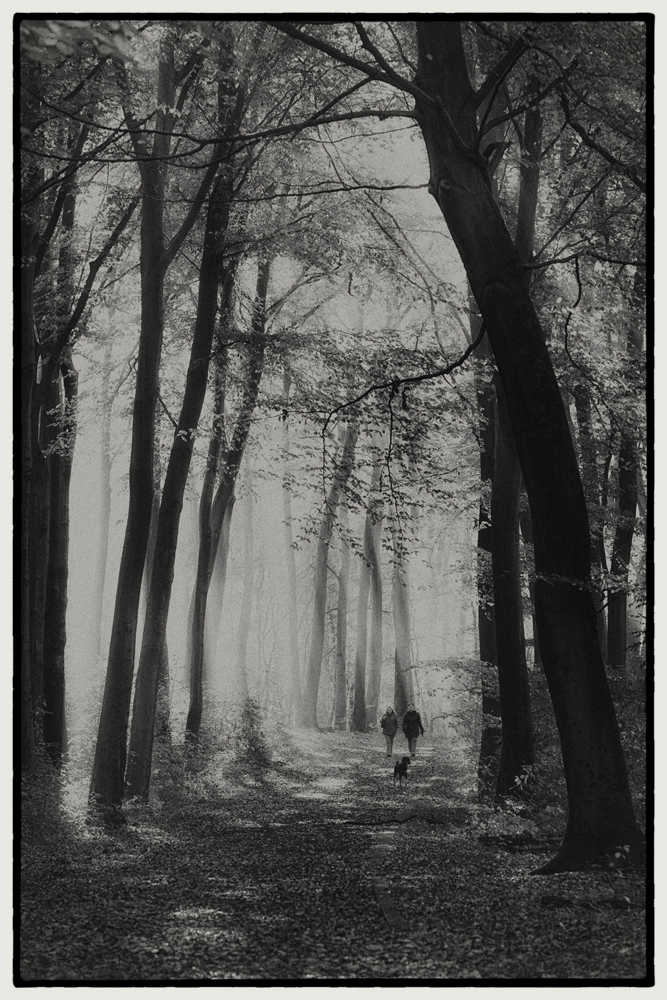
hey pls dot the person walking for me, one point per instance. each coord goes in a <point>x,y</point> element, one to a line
<point>389,724</point>
<point>412,726</point>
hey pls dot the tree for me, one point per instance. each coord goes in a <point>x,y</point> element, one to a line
<point>157,253</point>
<point>341,473</point>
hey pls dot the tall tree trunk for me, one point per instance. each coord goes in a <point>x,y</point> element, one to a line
<point>216,597</point>
<point>360,718</point>
<point>341,474</point>
<point>215,509</point>
<point>486,613</point>
<point>40,495</point>
<point>246,600</point>
<point>374,677</point>
<point>62,390</point>
<point>340,681</point>
<point>55,632</point>
<point>400,603</point>
<point>517,730</point>
<point>290,560</point>
<point>162,727</point>
<point>29,237</point>
<point>601,815</point>
<point>358,722</point>
<point>517,727</point>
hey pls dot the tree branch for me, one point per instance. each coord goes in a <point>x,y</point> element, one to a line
<point>409,380</point>
<point>630,172</point>
<point>501,70</point>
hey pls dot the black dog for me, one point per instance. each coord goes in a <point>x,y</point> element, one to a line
<point>401,770</point>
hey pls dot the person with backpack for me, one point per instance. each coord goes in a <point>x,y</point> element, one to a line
<point>412,726</point>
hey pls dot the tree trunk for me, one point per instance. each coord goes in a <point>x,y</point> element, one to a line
<point>517,730</point>
<point>517,727</point>
<point>486,613</point>
<point>55,632</point>
<point>246,600</point>
<point>28,433</point>
<point>374,677</point>
<point>290,559</point>
<point>400,602</point>
<point>216,597</point>
<point>162,727</point>
<point>358,722</point>
<point>340,682</point>
<point>40,496</point>
<point>341,474</point>
<point>360,719</point>
<point>601,816</point>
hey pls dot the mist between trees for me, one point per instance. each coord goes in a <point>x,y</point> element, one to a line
<point>332,380</point>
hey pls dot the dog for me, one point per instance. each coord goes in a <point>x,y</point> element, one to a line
<point>401,771</point>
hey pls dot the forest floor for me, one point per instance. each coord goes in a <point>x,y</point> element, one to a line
<point>308,864</point>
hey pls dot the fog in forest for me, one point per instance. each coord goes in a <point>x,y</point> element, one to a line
<point>335,508</point>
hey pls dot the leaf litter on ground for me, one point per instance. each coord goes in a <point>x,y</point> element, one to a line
<point>256,873</point>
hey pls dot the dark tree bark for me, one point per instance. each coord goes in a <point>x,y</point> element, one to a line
<point>517,726</point>
<point>374,674</point>
<point>517,731</point>
<point>601,816</point>
<point>486,613</point>
<point>28,362</point>
<point>40,495</point>
<point>55,632</point>
<point>341,474</point>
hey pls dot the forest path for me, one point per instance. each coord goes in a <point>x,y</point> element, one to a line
<point>256,873</point>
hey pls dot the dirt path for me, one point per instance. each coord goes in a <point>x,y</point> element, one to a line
<point>313,868</point>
